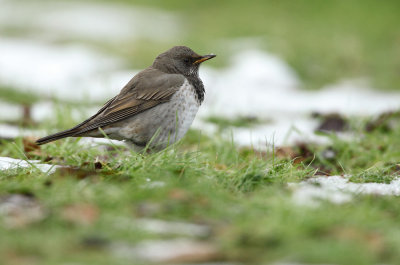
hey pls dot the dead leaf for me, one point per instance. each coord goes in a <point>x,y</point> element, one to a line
<point>29,143</point>
<point>373,240</point>
<point>80,213</point>
<point>178,194</point>
<point>332,122</point>
<point>285,152</point>
<point>298,153</point>
<point>17,257</point>
<point>221,167</point>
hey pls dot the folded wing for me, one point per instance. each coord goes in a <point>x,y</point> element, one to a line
<point>146,90</point>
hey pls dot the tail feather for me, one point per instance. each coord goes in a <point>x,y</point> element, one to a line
<point>56,136</point>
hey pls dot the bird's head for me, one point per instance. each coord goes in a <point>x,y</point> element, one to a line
<point>182,60</point>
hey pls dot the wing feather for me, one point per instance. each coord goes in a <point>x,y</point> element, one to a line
<point>146,90</point>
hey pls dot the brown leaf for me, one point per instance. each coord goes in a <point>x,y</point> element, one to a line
<point>194,252</point>
<point>29,144</point>
<point>298,153</point>
<point>285,152</point>
<point>333,122</point>
<point>178,194</point>
<point>80,213</point>
<point>373,240</point>
<point>18,257</point>
<point>222,167</point>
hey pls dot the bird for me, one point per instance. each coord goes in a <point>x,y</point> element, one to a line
<point>154,109</point>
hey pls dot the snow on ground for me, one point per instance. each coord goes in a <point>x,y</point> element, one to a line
<point>256,84</point>
<point>66,72</point>
<point>11,132</point>
<point>55,20</point>
<point>10,111</point>
<point>338,190</point>
<point>173,251</point>
<point>260,84</point>
<point>7,163</point>
<point>249,86</point>
<point>163,227</point>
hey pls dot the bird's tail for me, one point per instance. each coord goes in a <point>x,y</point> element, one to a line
<point>56,136</point>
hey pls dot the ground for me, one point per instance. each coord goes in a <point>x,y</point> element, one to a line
<point>240,197</point>
<point>213,198</point>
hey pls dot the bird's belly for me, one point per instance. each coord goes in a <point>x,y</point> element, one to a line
<point>165,123</point>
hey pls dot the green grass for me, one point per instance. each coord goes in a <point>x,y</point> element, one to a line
<point>240,193</point>
<point>241,121</point>
<point>13,95</point>
<point>324,41</point>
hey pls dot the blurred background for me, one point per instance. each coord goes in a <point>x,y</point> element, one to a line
<point>285,71</point>
<point>278,61</point>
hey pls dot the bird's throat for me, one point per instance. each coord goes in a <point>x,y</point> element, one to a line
<point>196,82</point>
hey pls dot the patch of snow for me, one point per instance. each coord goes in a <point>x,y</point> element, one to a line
<point>283,131</point>
<point>93,142</point>
<point>102,22</point>
<point>66,72</point>
<point>7,163</point>
<point>11,132</point>
<point>10,111</point>
<point>262,85</point>
<point>256,84</point>
<point>338,190</point>
<point>162,227</point>
<point>158,226</point>
<point>40,111</point>
<point>172,251</point>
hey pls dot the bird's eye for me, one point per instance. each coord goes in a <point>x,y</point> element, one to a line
<point>186,60</point>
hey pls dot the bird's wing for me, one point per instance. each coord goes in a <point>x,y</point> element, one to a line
<point>144,91</point>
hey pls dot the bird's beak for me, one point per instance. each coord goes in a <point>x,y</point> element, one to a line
<point>204,58</point>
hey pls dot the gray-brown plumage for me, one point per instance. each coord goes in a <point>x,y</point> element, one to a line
<point>155,108</point>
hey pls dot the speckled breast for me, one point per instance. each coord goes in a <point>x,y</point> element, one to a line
<point>164,124</point>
